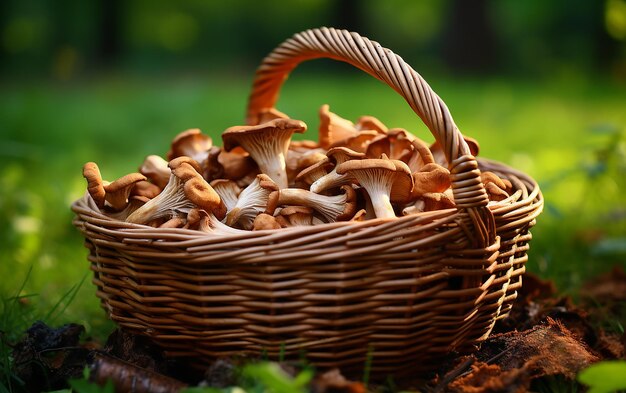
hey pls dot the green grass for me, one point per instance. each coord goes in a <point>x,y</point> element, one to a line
<point>48,130</point>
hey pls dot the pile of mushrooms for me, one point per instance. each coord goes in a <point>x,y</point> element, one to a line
<point>261,179</point>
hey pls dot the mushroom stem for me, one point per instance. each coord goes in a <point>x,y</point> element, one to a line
<point>332,208</point>
<point>382,205</point>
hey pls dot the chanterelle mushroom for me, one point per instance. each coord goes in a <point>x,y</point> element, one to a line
<point>337,155</point>
<point>228,190</point>
<point>185,190</point>
<point>117,192</point>
<point>297,215</point>
<point>313,172</point>
<point>207,222</point>
<point>334,128</point>
<point>267,144</point>
<point>430,178</point>
<point>265,221</point>
<point>384,180</point>
<point>252,201</point>
<point>371,123</point>
<point>191,143</point>
<point>155,168</point>
<point>332,208</point>
<point>95,187</point>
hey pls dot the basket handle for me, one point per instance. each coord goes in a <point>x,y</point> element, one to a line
<point>388,67</point>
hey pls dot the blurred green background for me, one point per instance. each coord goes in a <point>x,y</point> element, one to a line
<point>541,85</point>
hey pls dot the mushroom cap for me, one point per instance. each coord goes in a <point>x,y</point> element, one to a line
<point>146,189</point>
<point>174,222</point>
<point>341,154</point>
<point>95,187</point>
<point>268,114</point>
<point>297,160</point>
<point>421,155</point>
<point>438,201</point>
<point>118,191</point>
<point>201,194</point>
<point>430,178</point>
<point>378,146</point>
<point>490,177</point>
<point>371,123</point>
<point>211,167</point>
<point>333,128</point>
<point>290,210</point>
<point>192,143</point>
<point>234,136</point>
<point>359,141</point>
<point>495,193</point>
<point>313,172</point>
<point>185,171</point>
<point>155,168</point>
<point>265,221</point>
<point>236,164</point>
<point>304,145</point>
<point>176,162</point>
<point>381,170</point>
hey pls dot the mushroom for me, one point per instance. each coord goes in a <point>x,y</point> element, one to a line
<point>252,201</point>
<point>268,114</point>
<point>431,178</point>
<point>211,167</point>
<point>185,190</point>
<point>228,191</point>
<point>490,177</point>
<point>396,144</point>
<point>146,189</point>
<point>297,215</point>
<point>191,143</point>
<point>495,193</point>
<point>296,162</point>
<point>117,192</point>
<point>95,187</point>
<point>156,170</point>
<point>134,203</point>
<point>236,164</point>
<point>207,222</point>
<point>421,155</point>
<point>302,146</point>
<point>334,128</point>
<point>358,142</point>
<point>265,221</point>
<point>438,200</point>
<point>267,144</point>
<point>371,123</point>
<point>338,155</point>
<point>314,172</point>
<point>332,208</point>
<point>384,180</point>
<point>418,207</point>
<point>174,222</point>
<point>361,215</point>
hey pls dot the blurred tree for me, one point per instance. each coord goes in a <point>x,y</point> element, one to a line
<point>109,35</point>
<point>469,37</point>
<point>348,14</point>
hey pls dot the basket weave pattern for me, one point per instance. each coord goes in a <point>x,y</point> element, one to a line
<point>410,289</point>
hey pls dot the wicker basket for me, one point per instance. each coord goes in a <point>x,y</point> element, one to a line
<point>408,289</point>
